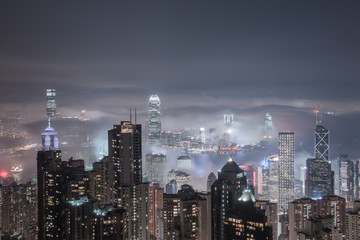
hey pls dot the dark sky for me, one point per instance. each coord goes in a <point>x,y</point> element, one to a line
<point>203,58</point>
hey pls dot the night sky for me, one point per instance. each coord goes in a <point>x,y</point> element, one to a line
<point>203,58</point>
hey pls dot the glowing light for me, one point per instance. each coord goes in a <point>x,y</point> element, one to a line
<point>4,174</point>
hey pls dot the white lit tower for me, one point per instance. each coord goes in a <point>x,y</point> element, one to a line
<point>50,103</point>
<point>269,127</point>
<point>154,124</point>
<point>286,169</point>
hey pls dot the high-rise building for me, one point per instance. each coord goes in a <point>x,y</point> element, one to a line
<point>318,182</point>
<point>155,168</point>
<point>347,185</point>
<point>186,215</point>
<point>154,124</point>
<point>271,215</point>
<point>228,120</point>
<point>269,130</point>
<point>286,169</point>
<point>130,192</point>
<point>352,222</point>
<point>50,103</point>
<point>101,179</point>
<point>16,172</point>
<point>18,210</point>
<point>156,212</point>
<point>247,220</point>
<point>225,192</point>
<point>51,201</point>
<point>270,178</point>
<point>305,213</point>
<point>184,163</point>
<point>322,140</point>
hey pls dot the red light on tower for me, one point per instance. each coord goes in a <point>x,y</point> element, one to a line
<point>4,174</point>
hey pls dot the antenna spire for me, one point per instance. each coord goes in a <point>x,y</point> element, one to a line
<point>135,115</point>
<point>130,115</point>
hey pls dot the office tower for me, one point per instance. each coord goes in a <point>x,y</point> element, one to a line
<point>270,178</point>
<point>184,163</point>
<point>129,191</point>
<point>318,182</point>
<point>154,124</point>
<point>322,140</point>
<point>271,215</point>
<point>155,168</point>
<point>210,180</point>
<point>225,192</point>
<point>180,177</point>
<point>228,120</point>
<point>101,180</point>
<point>352,222</point>
<point>50,103</point>
<point>156,212</point>
<point>247,220</point>
<point>186,215</point>
<point>286,169</point>
<point>16,172</point>
<point>19,210</point>
<point>269,127</point>
<point>51,200</point>
<point>347,179</point>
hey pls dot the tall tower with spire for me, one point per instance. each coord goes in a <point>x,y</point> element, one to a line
<point>322,139</point>
<point>51,201</point>
<point>154,124</point>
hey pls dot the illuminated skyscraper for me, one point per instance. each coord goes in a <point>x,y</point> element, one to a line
<point>270,178</point>
<point>51,201</point>
<point>286,169</point>
<point>50,103</point>
<point>269,127</point>
<point>318,182</point>
<point>347,185</point>
<point>322,139</point>
<point>225,192</point>
<point>154,124</point>
<point>130,192</point>
<point>155,168</point>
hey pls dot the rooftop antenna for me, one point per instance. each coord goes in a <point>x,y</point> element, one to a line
<point>318,115</point>
<point>49,122</point>
<point>130,115</point>
<point>135,115</point>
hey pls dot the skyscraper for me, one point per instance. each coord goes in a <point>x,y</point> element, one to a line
<point>50,103</point>
<point>51,201</point>
<point>318,182</point>
<point>270,178</point>
<point>286,169</point>
<point>269,127</point>
<point>154,124</point>
<point>347,179</point>
<point>225,192</point>
<point>155,168</point>
<point>130,193</point>
<point>322,140</point>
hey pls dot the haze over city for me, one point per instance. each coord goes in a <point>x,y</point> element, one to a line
<point>297,61</point>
